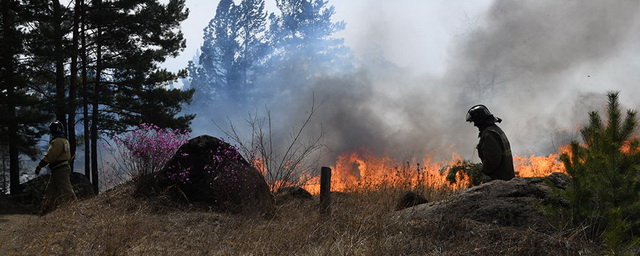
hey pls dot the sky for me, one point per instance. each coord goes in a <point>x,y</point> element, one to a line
<point>540,65</point>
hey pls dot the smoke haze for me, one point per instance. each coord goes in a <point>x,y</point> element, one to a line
<point>539,65</point>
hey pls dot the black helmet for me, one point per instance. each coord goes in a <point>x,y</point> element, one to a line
<point>57,129</point>
<point>480,114</point>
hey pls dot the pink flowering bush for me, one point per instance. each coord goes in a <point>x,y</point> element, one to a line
<point>146,150</point>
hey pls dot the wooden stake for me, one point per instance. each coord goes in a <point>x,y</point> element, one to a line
<point>325,189</point>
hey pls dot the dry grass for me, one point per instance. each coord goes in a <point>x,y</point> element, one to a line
<point>361,223</point>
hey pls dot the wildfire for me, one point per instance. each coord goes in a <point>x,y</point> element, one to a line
<point>628,147</point>
<point>357,171</point>
<point>363,171</point>
<point>540,166</point>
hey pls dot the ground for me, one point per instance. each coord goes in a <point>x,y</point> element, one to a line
<point>360,223</point>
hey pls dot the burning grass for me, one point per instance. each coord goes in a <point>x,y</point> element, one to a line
<point>362,223</point>
<point>357,171</point>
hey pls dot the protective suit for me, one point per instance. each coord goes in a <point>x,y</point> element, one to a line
<point>493,148</point>
<point>59,189</point>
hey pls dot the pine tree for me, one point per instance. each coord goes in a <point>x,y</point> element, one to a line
<point>605,170</point>
<point>130,39</point>
<point>137,36</point>
<point>211,76</point>
<point>302,37</point>
<point>233,53</point>
<point>106,52</point>
<point>243,55</point>
<point>20,110</point>
<point>252,46</point>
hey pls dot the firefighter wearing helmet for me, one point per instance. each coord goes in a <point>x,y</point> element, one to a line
<point>493,148</point>
<point>59,189</point>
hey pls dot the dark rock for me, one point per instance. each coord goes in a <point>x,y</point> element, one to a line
<point>290,193</point>
<point>505,203</point>
<point>410,199</point>
<point>209,170</point>
<point>33,190</point>
<point>559,180</point>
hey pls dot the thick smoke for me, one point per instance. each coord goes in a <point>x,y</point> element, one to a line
<point>539,65</point>
<point>542,65</point>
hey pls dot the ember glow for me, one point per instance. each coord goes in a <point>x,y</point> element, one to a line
<point>362,171</point>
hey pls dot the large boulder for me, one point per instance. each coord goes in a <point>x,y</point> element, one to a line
<point>33,190</point>
<point>209,170</point>
<point>506,203</point>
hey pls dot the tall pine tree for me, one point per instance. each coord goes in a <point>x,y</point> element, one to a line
<point>20,109</point>
<point>233,53</point>
<point>302,38</point>
<point>210,76</point>
<point>107,53</point>
<point>252,47</point>
<point>130,39</point>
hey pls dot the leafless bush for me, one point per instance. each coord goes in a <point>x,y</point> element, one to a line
<point>283,163</point>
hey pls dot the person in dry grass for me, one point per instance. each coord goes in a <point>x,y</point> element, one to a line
<point>494,149</point>
<point>59,189</point>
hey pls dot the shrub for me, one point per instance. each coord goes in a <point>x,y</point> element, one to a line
<point>144,151</point>
<point>465,168</point>
<point>605,191</point>
<point>282,163</point>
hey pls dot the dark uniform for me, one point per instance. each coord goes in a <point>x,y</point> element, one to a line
<point>59,189</point>
<point>495,152</point>
<point>494,149</point>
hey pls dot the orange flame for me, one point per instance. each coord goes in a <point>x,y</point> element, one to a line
<point>627,147</point>
<point>361,171</point>
<point>540,166</point>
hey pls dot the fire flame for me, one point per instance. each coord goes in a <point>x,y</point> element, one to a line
<point>363,171</point>
<point>358,171</point>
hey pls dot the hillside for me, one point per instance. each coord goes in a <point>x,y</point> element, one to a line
<point>361,223</point>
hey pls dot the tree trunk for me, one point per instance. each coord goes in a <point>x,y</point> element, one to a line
<point>8,77</point>
<point>59,58</point>
<point>85,96</point>
<point>73,84</point>
<point>95,112</point>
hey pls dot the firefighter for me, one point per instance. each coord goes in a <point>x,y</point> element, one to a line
<point>493,148</point>
<point>59,189</point>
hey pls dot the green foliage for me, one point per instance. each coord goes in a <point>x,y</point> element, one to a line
<point>605,190</point>
<point>136,92</point>
<point>467,168</point>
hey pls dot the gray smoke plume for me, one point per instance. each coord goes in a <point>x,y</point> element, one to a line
<point>540,65</point>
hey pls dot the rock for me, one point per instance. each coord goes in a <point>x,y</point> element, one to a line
<point>33,190</point>
<point>290,193</point>
<point>505,203</point>
<point>410,199</point>
<point>209,170</point>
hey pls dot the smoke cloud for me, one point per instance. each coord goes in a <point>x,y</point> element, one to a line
<point>540,65</point>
